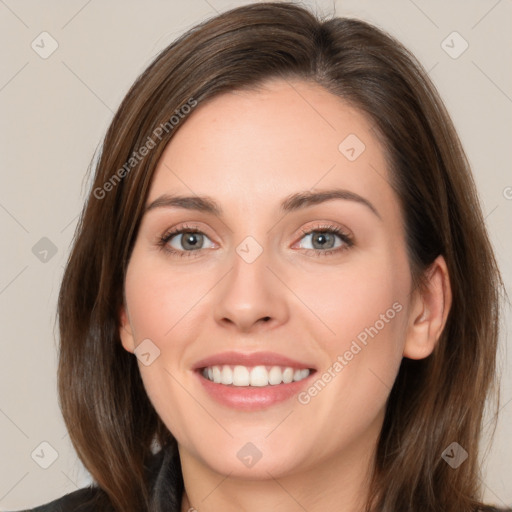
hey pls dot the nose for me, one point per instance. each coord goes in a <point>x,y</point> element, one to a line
<point>251,297</point>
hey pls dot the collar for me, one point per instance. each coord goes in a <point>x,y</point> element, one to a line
<point>166,480</point>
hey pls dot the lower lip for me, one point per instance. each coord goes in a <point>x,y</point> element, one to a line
<point>252,398</point>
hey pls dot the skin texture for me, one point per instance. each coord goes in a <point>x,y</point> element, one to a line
<point>249,151</point>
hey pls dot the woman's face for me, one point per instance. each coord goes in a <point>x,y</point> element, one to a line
<point>266,277</point>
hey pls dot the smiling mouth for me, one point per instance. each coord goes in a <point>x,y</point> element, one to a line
<point>253,376</point>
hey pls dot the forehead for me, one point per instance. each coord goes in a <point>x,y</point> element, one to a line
<point>256,147</point>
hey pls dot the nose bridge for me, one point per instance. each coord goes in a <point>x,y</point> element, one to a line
<point>250,291</point>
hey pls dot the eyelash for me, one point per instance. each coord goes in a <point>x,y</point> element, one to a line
<point>346,239</point>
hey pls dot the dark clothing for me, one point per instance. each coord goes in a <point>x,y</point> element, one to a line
<point>166,490</point>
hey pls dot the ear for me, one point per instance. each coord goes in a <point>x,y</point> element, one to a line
<point>428,312</point>
<point>125,331</point>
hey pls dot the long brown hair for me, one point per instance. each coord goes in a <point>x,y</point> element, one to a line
<point>434,401</point>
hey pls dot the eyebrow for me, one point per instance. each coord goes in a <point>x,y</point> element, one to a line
<point>291,203</point>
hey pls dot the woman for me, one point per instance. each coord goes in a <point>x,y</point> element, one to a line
<point>211,358</point>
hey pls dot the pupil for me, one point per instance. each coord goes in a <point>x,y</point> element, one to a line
<point>324,237</point>
<point>190,239</point>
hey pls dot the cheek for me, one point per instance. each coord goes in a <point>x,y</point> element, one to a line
<point>164,305</point>
<point>160,299</point>
<point>364,308</point>
<point>358,296</point>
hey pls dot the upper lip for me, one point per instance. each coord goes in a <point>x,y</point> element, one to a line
<point>252,359</point>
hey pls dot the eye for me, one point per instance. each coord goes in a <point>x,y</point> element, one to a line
<point>183,241</point>
<point>186,241</point>
<point>323,239</point>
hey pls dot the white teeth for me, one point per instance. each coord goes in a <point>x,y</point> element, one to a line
<point>240,376</point>
<point>227,375</point>
<point>258,376</point>
<point>288,375</point>
<point>304,373</point>
<point>216,375</point>
<point>275,375</point>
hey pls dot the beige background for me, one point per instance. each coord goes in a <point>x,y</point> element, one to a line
<point>55,112</point>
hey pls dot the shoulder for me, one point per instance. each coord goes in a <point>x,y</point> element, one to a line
<point>165,480</point>
<point>82,500</point>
